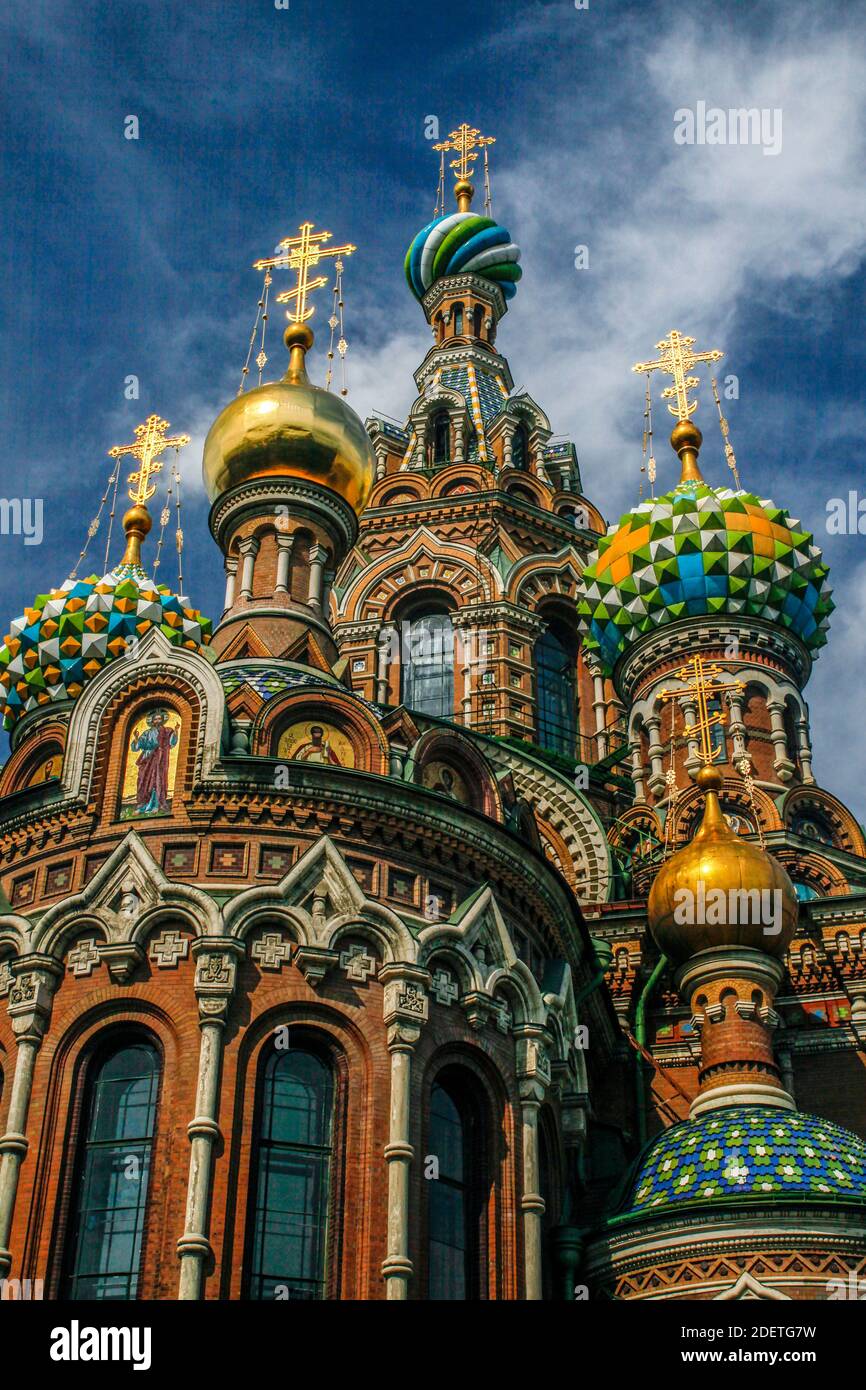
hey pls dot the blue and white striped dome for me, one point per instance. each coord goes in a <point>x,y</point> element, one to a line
<point>463,243</point>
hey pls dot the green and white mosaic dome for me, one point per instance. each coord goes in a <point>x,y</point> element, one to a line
<point>71,633</point>
<point>699,550</point>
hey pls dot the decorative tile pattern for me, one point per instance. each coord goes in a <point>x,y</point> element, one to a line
<point>750,1151</point>
<point>701,550</point>
<point>70,633</point>
<point>268,683</point>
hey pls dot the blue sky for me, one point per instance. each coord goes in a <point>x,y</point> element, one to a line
<point>133,257</point>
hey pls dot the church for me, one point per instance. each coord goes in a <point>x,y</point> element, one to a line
<point>358,944</point>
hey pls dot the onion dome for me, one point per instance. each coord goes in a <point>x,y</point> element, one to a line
<point>462,243</point>
<point>702,550</point>
<point>290,429</point>
<point>712,880</point>
<point>752,1151</point>
<point>69,634</point>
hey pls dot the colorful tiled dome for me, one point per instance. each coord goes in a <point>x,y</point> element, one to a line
<point>463,243</point>
<point>750,1151</point>
<point>702,550</point>
<point>69,634</point>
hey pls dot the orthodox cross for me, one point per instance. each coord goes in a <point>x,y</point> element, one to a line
<point>150,442</point>
<point>466,142</point>
<point>299,253</point>
<point>704,683</point>
<point>676,360</point>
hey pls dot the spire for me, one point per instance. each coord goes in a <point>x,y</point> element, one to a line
<point>149,443</point>
<point>724,911</point>
<point>677,360</point>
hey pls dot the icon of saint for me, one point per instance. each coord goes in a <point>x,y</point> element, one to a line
<point>153,746</point>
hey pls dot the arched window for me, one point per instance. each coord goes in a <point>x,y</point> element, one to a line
<point>290,1190</point>
<point>519,448</point>
<point>427,671</point>
<point>109,1202</point>
<point>441,437</point>
<point>556,690</point>
<point>478,319</point>
<point>456,1200</point>
<point>458,320</point>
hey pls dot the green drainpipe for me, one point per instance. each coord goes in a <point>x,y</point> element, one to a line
<point>640,1035</point>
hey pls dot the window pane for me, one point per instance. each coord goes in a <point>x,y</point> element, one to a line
<point>428,666</point>
<point>555,695</point>
<point>293,1179</point>
<point>454,1205</point>
<point>110,1200</point>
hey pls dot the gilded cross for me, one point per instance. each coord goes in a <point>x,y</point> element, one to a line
<point>299,253</point>
<point>150,442</point>
<point>466,142</point>
<point>704,683</point>
<point>677,359</point>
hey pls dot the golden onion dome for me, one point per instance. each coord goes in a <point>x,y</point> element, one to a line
<point>290,428</point>
<point>686,911</point>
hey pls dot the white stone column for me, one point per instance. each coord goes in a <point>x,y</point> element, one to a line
<point>637,771</point>
<point>29,1012</point>
<point>318,559</point>
<point>782,764</point>
<point>693,758</point>
<point>459,440</point>
<point>284,561</point>
<point>405,1013</point>
<point>388,637</point>
<point>737,727</point>
<point>231,578</point>
<point>216,972</point>
<point>657,773</point>
<point>600,712</point>
<point>381,465</point>
<point>508,449</point>
<point>533,1071</point>
<point>249,549</point>
<point>805,748</point>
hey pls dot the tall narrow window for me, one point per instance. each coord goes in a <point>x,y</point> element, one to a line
<point>110,1197</point>
<point>456,1198</point>
<point>428,665</point>
<point>556,692</point>
<point>519,448</point>
<point>478,319</point>
<point>441,437</point>
<point>292,1178</point>
<point>458,320</point>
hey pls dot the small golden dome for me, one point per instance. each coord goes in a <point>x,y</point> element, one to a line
<point>290,428</point>
<point>686,911</point>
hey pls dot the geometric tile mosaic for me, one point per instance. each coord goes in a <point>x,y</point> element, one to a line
<point>702,551</point>
<point>70,633</point>
<point>750,1151</point>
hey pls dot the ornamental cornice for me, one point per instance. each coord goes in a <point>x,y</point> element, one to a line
<point>681,639</point>
<point>448,285</point>
<point>307,499</point>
